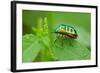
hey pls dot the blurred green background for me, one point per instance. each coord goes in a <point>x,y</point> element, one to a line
<point>38,37</point>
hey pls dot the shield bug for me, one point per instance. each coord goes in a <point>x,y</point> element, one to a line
<point>65,31</point>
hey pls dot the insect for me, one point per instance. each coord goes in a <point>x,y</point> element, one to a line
<point>65,31</point>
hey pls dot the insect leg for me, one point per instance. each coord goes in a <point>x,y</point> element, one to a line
<point>71,43</point>
<point>62,42</point>
<point>56,38</point>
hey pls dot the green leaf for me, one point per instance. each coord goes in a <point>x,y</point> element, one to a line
<point>71,50</point>
<point>45,53</point>
<point>31,48</point>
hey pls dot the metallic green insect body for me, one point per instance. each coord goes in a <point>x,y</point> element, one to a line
<point>66,31</point>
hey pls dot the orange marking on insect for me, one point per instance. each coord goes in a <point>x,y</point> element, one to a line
<point>73,36</point>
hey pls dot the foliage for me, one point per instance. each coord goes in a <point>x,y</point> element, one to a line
<point>38,47</point>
